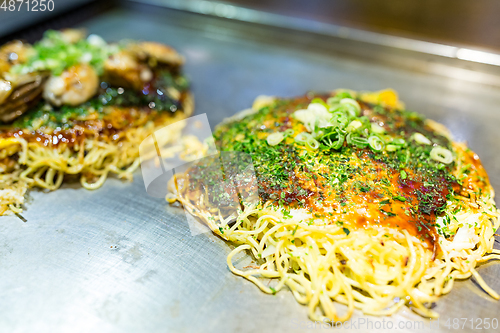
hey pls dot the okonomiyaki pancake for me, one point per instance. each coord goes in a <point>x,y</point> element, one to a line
<point>75,106</point>
<point>358,202</point>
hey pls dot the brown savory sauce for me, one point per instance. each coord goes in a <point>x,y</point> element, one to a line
<point>351,186</point>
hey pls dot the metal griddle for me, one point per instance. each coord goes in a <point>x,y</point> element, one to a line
<point>117,260</point>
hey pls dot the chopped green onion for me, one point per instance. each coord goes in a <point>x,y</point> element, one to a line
<point>302,137</point>
<point>351,105</point>
<point>317,134</point>
<point>318,108</point>
<point>392,147</point>
<point>333,139</point>
<point>275,138</point>
<point>333,104</point>
<point>353,125</point>
<point>403,174</point>
<point>339,119</point>
<point>376,143</point>
<point>350,101</point>
<point>357,140</point>
<point>420,138</point>
<point>289,132</point>
<point>343,94</point>
<point>55,54</point>
<point>398,142</point>
<point>320,101</point>
<point>306,117</point>
<point>377,129</point>
<point>442,155</point>
<point>316,115</point>
<point>312,143</point>
<point>332,101</point>
<point>400,198</point>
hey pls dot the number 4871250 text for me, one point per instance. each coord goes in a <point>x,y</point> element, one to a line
<point>26,5</point>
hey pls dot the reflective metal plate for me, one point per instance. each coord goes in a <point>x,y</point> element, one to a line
<point>117,260</point>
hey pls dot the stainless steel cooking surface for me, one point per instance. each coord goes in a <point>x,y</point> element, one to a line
<point>117,260</point>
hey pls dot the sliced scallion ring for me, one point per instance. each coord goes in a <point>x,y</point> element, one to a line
<point>275,138</point>
<point>338,97</point>
<point>422,139</point>
<point>334,107</point>
<point>354,125</point>
<point>357,140</point>
<point>442,155</point>
<point>289,132</point>
<point>392,147</point>
<point>312,143</point>
<point>351,103</point>
<point>334,139</point>
<point>339,119</point>
<point>376,143</point>
<point>398,142</point>
<point>302,137</point>
<point>320,101</point>
<point>317,134</point>
<point>343,94</point>
<point>377,129</point>
<point>332,100</point>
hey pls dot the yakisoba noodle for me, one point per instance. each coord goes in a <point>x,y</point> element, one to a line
<point>376,268</point>
<point>77,107</point>
<point>92,160</point>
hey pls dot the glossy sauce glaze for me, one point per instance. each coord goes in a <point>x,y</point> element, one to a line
<point>107,116</point>
<point>351,187</point>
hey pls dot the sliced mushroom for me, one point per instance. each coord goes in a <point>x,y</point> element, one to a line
<point>155,53</point>
<point>26,94</point>
<point>13,53</point>
<point>124,69</point>
<point>5,90</point>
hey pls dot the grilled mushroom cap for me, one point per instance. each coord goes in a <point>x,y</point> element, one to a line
<point>17,92</point>
<point>5,90</point>
<point>125,70</point>
<point>155,53</point>
<point>27,92</point>
<point>13,53</point>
